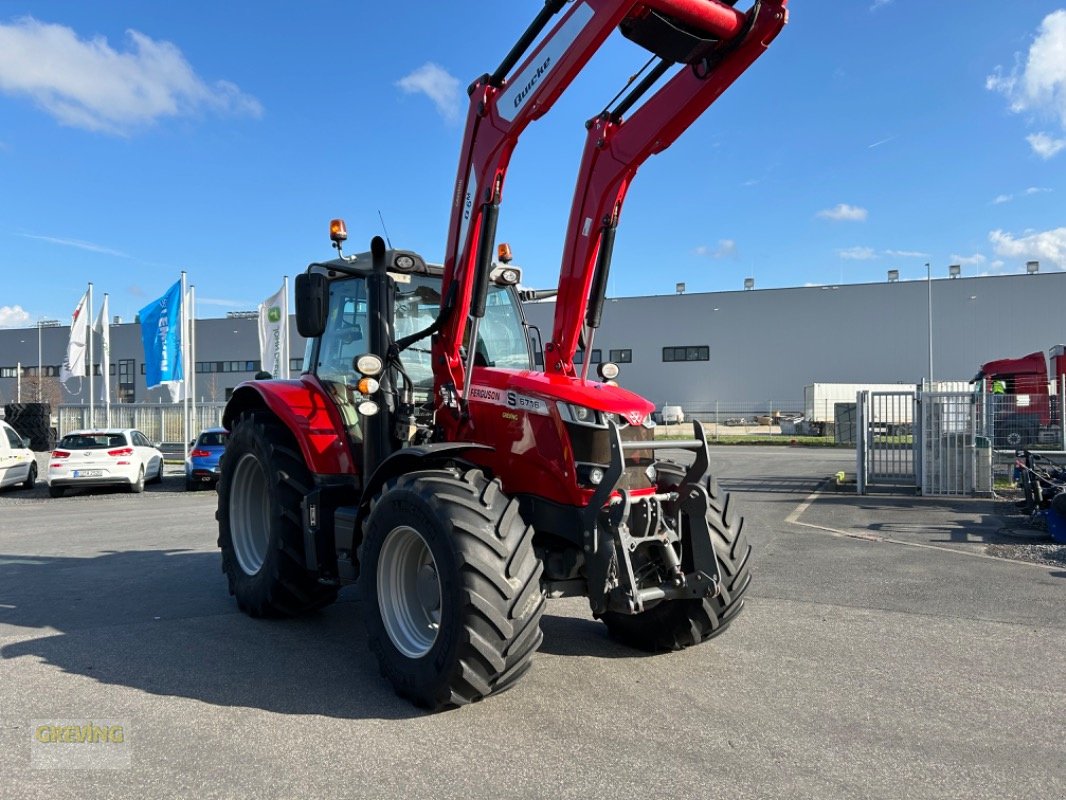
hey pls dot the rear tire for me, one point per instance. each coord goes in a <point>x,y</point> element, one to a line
<point>677,624</point>
<point>159,474</point>
<point>138,486</point>
<point>31,477</point>
<point>260,528</point>
<point>449,588</point>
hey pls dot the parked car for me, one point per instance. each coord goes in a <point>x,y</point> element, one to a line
<point>672,415</point>
<point>202,465</point>
<point>108,457</point>
<point>18,467</point>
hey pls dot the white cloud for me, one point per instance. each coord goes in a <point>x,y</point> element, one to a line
<point>221,301</point>
<point>85,83</point>
<point>968,261</point>
<point>438,85</point>
<point>1006,198</point>
<point>842,212</point>
<point>1044,145</point>
<point>81,245</point>
<point>1037,83</point>
<point>879,4</point>
<point>1046,246</point>
<point>725,248</point>
<point>906,254</point>
<point>857,253</point>
<point>13,316</point>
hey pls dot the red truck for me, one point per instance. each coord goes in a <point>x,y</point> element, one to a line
<point>1023,412</point>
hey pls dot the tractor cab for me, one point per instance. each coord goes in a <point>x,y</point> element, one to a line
<point>372,354</point>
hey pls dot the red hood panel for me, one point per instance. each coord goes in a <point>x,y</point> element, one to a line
<point>600,396</point>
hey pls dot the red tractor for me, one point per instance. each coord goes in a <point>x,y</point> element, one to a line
<point>422,456</point>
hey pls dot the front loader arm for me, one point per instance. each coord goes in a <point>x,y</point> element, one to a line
<point>614,150</point>
<point>501,106</point>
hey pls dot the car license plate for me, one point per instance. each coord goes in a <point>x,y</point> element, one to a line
<point>88,473</point>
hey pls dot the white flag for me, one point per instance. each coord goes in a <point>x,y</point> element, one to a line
<point>272,315</point>
<point>74,363</point>
<point>103,327</point>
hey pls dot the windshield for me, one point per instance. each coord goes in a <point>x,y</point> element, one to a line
<point>213,439</point>
<point>501,337</point>
<point>92,441</point>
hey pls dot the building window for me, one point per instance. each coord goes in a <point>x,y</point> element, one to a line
<point>8,372</point>
<point>252,366</point>
<point>597,356</point>
<point>697,353</point>
<point>112,369</point>
<point>296,364</point>
<point>51,372</point>
<point>621,356</point>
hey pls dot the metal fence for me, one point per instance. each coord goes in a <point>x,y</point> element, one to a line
<point>160,423</point>
<point>832,421</point>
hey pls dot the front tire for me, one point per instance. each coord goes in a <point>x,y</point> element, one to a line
<point>260,529</point>
<point>449,588</point>
<point>677,624</point>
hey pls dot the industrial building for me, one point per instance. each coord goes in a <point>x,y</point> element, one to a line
<point>751,346</point>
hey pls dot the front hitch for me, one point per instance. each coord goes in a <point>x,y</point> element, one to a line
<point>617,524</point>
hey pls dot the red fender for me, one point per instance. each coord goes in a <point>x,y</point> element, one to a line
<point>304,407</point>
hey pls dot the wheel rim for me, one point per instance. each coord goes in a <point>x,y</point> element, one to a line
<point>249,514</point>
<point>409,596</point>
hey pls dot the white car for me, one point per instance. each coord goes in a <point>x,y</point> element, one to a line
<point>18,467</point>
<point>673,415</point>
<point>104,457</point>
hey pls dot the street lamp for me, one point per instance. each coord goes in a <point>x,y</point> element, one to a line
<point>929,289</point>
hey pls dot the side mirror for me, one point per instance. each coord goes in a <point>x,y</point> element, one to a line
<point>312,304</point>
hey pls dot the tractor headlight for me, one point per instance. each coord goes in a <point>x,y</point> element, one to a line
<point>369,365</point>
<point>582,415</point>
<point>608,370</point>
<point>368,408</point>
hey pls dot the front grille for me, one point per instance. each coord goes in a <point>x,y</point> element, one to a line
<point>593,446</point>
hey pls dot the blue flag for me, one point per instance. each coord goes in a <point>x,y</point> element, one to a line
<point>161,334</point>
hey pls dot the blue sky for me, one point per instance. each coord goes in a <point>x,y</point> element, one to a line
<point>141,138</point>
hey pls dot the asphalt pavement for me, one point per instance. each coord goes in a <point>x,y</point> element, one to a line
<point>881,654</point>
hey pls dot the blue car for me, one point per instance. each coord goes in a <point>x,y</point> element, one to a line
<point>202,467</point>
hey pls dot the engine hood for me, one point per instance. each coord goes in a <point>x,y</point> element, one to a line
<point>592,394</point>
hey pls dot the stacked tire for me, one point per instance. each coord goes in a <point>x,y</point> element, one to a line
<point>34,421</point>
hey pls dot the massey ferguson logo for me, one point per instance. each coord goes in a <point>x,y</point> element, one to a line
<point>634,417</point>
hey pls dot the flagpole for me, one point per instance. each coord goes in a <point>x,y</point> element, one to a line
<point>89,324</point>
<point>192,355</point>
<point>105,332</point>
<point>285,327</point>
<point>184,368</point>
